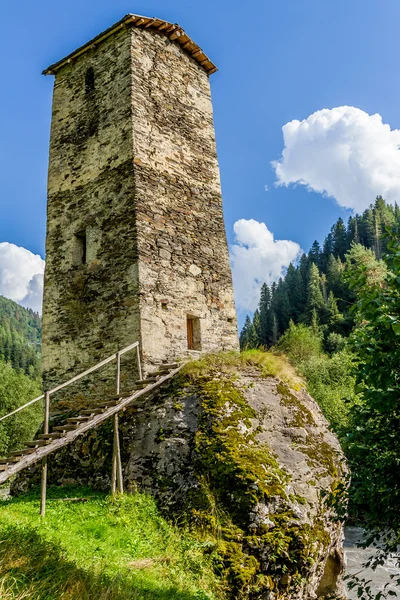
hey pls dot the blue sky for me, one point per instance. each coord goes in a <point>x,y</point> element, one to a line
<point>278,60</point>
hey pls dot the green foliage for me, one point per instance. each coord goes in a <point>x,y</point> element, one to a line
<point>20,337</point>
<point>331,383</point>
<point>109,549</point>
<point>373,443</point>
<point>329,378</point>
<point>300,343</point>
<point>16,389</point>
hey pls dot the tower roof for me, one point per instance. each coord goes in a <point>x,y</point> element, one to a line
<point>173,31</point>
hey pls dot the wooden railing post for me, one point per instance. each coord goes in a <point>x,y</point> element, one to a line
<point>116,471</point>
<point>139,364</point>
<point>44,459</point>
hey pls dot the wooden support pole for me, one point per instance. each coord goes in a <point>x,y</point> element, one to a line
<point>120,483</point>
<point>44,459</point>
<point>116,472</point>
<point>139,364</point>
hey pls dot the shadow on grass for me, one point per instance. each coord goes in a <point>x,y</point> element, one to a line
<point>33,568</point>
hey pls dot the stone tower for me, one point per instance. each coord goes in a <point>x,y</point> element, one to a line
<point>136,246</point>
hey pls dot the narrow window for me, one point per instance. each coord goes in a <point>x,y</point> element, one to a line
<point>80,248</point>
<point>89,80</point>
<point>193,333</point>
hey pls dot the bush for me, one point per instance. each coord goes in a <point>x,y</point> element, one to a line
<point>300,343</point>
<point>331,383</point>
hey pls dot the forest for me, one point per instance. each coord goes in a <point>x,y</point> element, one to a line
<point>317,291</point>
<point>20,345</point>
<point>20,337</point>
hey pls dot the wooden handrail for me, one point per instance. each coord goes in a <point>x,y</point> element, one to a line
<point>77,377</point>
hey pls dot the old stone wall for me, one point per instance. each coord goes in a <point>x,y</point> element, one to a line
<point>183,255</point>
<point>135,234</point>
<point>90,309</point>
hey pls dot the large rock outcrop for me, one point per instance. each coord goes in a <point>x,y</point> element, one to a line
<point>244,460</point>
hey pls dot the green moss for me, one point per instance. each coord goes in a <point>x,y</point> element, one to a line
<point>235,474</point>
<point>301,416</point>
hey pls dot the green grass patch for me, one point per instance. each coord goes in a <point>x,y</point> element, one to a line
<point>269,364</point>
<point>105,548</point>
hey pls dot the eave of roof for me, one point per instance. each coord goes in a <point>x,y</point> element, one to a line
<point>173,31</point>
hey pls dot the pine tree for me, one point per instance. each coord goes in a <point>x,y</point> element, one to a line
<point>246,335</point>
<point>265,315</point>
<point>296,293</point>
<point>339,239</point>
<point>315,254</point>
<point>315,299</point>
<point>256,332</point>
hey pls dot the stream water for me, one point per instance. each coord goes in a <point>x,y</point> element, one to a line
<point>357,556</point>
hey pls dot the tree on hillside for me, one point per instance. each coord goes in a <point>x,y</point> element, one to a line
<point>339,239</point>
<point>265,315</point>
<point>315,299</point>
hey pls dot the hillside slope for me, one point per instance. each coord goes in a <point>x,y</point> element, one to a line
<point>20,336</point>
<point>104,548</point>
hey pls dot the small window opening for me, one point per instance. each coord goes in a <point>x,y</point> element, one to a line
<point>193,333</point>
<point>80,250</point>
<point>89,80</point>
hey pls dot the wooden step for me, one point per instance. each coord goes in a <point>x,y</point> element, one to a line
<point>50,436</point>
<point>80,419</point>
<point>108,404</point>
<point>3,467</point>
<point>66,427</point>
<point>22,452</point>
<point>37,443</point>
<point>169,367</point>
<point>92,411</point>
<point>144,382</point>
<point>8,460</point>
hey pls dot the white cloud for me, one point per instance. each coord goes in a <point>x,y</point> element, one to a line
<point>343,153</point>
<point>256,259</point>
<point>21,275</point>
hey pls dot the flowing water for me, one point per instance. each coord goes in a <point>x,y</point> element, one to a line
<point>357,556</point>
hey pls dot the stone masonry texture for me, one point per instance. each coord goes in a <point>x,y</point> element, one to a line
<point>133,178</point>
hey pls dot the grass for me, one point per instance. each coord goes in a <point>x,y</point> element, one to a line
<point>106,548</point>
<point>270,364</point>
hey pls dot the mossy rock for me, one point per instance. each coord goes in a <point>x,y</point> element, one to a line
<point>244,459</point>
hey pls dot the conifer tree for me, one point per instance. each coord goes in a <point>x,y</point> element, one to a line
<point>339,239</point>
<point>315,253</point>
<point>256,332</point>
<point>246,335</point>
<point>265,315</point>
<point>295,292</point>
<point>315,299</point>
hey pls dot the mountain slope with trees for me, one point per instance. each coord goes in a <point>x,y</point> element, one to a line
<point>316,291</point>
<point>20,341</point>
<point>20,337</point>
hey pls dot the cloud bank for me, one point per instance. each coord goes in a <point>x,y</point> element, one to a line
<point>343,153</point>
<point>21,275</point>
<point>257,258</point>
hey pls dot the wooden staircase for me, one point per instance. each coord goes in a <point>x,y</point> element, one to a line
<point>87,419</point>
